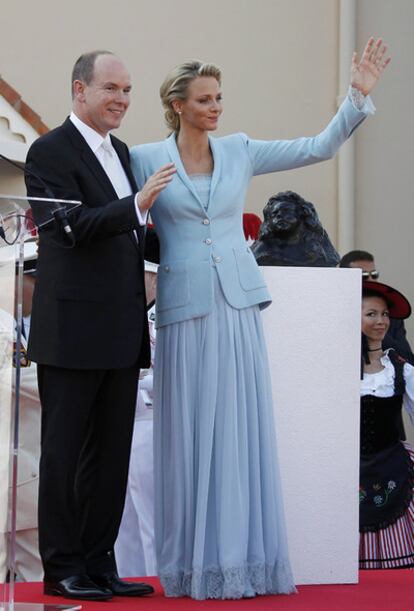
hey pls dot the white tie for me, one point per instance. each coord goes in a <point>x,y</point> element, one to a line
<point>114,170</point>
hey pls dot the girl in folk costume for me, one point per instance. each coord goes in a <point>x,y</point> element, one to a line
<point>387,461</point>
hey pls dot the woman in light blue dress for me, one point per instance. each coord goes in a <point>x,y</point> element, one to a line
<point>219,519</point>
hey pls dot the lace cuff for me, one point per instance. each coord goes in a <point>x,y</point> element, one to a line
<point>360,101</point>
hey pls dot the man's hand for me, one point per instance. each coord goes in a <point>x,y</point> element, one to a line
<point>154,185</point>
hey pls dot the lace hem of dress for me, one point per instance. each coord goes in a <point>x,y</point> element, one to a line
<point>234,582</point>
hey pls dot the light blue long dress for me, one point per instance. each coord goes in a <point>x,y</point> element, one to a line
<point>220,528</point>
<point>219,523</point>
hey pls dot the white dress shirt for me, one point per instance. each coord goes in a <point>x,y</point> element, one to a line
<point>109,160</point>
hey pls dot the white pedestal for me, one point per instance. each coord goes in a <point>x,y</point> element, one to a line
<point>313,335</point>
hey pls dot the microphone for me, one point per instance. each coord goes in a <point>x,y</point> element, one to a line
<point>59,213</point>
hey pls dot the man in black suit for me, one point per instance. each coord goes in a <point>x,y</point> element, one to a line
<point>89,334</point>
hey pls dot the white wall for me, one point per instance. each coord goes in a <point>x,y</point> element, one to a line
<point>312,331</point>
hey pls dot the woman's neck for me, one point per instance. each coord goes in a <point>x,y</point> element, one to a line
<point>374,346</point>
<point>195,153</point>
<point>193,142</point>
<point>375,354</point>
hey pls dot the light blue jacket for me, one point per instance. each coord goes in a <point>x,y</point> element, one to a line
<point>195,242</point>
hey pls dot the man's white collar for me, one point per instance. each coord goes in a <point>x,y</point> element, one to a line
<point>91,136</point>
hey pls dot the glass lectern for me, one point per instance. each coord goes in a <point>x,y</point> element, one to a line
<point>16,228</point>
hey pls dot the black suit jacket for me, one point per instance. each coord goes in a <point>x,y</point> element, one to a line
<point>89,302</point>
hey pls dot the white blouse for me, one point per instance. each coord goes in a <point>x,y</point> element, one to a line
<point>381,384</point>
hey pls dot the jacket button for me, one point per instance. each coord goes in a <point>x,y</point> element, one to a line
<point>206,222</point>
<point>217,259</point>
<point>167,268</point>
<point>208,241</point>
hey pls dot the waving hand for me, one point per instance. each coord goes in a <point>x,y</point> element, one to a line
<point>366,72</point>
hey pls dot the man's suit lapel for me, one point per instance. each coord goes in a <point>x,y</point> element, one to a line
<point>123,155</point>
<point>90,159</point>
<point>122,152</point>
<point>92,162</point>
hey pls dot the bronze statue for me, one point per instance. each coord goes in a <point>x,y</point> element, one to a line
<point>292,234</point>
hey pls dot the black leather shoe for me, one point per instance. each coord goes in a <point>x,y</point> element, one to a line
<point>111,581</point>
<point>78,586</point>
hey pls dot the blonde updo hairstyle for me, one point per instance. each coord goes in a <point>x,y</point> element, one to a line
<point>176,84</point>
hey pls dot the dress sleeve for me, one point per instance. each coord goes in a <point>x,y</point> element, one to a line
<point>279,155</point>
<point>408,400</point>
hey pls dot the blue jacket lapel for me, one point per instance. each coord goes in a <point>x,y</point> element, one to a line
<point>181,173</point>
<point>216,170</point>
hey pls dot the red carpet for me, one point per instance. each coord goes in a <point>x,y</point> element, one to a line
<point>377,591</point>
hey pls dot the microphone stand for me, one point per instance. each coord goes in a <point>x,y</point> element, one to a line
<point>59,214</point>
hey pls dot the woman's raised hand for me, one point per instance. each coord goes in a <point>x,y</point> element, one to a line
<point>366,72</point>
<point>154,185</point>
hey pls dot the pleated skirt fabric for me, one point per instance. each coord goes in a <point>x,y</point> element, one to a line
<point>392,547</point>
<point>219,519</point>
